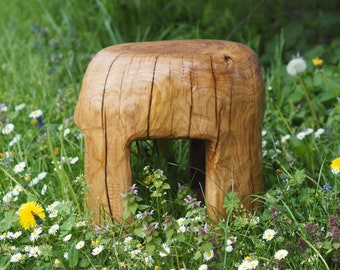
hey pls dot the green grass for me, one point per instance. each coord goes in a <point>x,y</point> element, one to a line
<point>45,48</point>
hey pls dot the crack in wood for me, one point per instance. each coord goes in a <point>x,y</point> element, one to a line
<point>151,94</point>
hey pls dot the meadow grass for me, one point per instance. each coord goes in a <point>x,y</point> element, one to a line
<point>45,48</point>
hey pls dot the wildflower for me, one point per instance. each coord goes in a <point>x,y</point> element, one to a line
<point>20,107</point>
<point>7,129</point>
<point>203,267</point>
<point>34,252</point>
<point>16,235</point>
<point>81,224</point>
<point>285,138</point>
<point>20,167</point>
<point>74,160</point>
<point>53,214</point>
<point>319,132</point>
<point>80,245</point>
<point>67,237</point>
<point>253,264</point>
<point>280,254</point>
<point>57,263</point>
<point>166,249</point>
<point>97,250</point>
<point>229,248</point>
<point>16,190</point>
<point>180,221</point>
<point>35,234</point>
<point>43,190</point>
<point>268,234</point>
<point>317,62</point>
<point>53,229</point>
<point>296,65</point>
<point>181,229</point>
<point>30,214</point>
<point>16,139</point>
<point>301,135</point>
<point>148,261</point>
<point>128,240</point>
<point>8,198</point>
<point>3,108</point>
<point>335,166</point>
<point>208,255</point>
<point>244,265</point>
<point>327,187</point>
<point>35,114</point>
<point>254,220</point>
<point>16,257</point>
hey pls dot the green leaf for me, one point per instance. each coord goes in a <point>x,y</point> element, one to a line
<point>73,255</point>
<point>8,220</point>
<point>231,202</point>
<point>197,255</point>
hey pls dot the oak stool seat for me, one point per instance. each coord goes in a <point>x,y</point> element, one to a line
<point>196,89</point>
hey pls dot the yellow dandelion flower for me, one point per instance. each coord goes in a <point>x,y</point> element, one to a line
<point>335,166</point>
<point>317,62</point>
<point>30,214</point>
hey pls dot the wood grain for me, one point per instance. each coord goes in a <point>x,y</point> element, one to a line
<point>197,89</point>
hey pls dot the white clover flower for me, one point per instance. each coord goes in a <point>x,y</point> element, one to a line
<point>97,250</point>
<point>20,167</point>
<point>35,114</point>
<point>285,138</point>
<point>264,132</point>
<point>208,255</point>
<point>264,143</point>
<point>301,135</point>
<point>67,237</point>
<point>280,254</point>
<point>203,267</point>
<point>35,234</point>
<point>66,255</point>
<point>80,245</point>
<point>319,132</point>
<point>8,129</point>
<point>20,107</point>
<point>16,257</point>
<point>53,229</point>
<point>268,234</point>
<point>296,66</point>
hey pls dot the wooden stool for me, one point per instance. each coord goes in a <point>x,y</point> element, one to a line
<point>197,89</point>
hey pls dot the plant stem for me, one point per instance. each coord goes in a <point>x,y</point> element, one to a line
<point>309,102</point>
